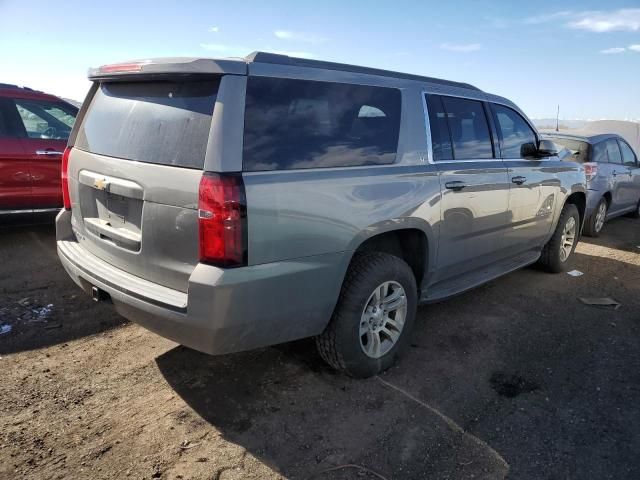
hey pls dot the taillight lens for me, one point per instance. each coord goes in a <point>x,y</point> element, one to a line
<point>121,67</point>
<point>590,171</point>
<point>222,220</point>
<point>64,175</point>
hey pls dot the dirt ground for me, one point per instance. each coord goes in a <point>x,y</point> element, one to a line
<point>517,379</point>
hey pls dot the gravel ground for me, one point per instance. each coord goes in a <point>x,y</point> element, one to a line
<point>517,379</point>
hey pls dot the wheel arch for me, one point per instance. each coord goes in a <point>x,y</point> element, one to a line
<point>409,238</point>
<point>579,199</point>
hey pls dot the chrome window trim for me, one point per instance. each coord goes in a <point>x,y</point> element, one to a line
<point>431,160</point>
<point>489,102</point>
<point>427,122</point>
<point>479,160</point>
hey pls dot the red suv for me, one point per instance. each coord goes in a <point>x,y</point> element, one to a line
<point>34,128</point>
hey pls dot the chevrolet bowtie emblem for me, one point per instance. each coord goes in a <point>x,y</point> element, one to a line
<point>101,183</point>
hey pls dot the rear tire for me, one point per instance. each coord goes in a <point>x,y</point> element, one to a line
<point>378,300</point>
<point>593,225</point>
<point>556,254</point>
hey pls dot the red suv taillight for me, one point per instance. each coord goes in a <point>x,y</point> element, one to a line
<point>590,171</point>
<point>64,175</point>
<point>222,220</point>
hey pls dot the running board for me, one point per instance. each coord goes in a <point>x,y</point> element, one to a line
<point>462,283</point>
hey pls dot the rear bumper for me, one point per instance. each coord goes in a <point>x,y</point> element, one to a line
<point>223,311</point>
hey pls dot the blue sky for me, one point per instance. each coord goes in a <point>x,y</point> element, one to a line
<point>583,55</point>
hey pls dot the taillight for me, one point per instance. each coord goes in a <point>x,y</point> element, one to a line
<point>121,67</point>
<point>590,171</point>
<point>222,220</point>
<point>64,175</point>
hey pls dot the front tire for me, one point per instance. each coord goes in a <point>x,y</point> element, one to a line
<point>372,322</point>
<point>593,225</point>
<point>557,253</point>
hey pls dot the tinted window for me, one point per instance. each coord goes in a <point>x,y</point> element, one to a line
<point>41,119</point>
<point>613,151</point>
<point>306,124</point>
<point>440,139</point>
<point>515,131</point>
<point>469,129</point>
<point>628,157</point>
<point>579,150</point>
<point>156,122</point>
<point>599,153</point>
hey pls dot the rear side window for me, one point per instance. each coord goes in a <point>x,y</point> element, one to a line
<point>515,132</point>
<point>469,129</point>
<point>159,122</point>
<point>600,152</point>
<point>628,157</point>
<point>613,151</point>
<point>294,124</point>
<point>440,139</point>
<point>579,150</point>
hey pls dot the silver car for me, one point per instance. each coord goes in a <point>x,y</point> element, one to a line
<point>238,203</point>
<point>613,176</point>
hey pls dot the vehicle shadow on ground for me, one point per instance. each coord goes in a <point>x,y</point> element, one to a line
<point>622,233</point>
<point>285,407</point>
<point>487,371</point>
<point>40,303</point>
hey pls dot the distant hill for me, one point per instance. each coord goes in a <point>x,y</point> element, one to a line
<point>550,123</point>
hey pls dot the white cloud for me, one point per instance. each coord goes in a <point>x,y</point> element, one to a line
<point>463,48</point>
<point>284,34</point>
<point>299,36</point>
<point>635,48</point>
<point>213,29</point>
<point>626,19</point>
<point>609,51</point>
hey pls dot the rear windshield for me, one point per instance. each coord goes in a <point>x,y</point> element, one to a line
<point>292,124</point>
<point>579,150</point>
<point>161,122</point>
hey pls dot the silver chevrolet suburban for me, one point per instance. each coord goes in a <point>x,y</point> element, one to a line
<point>237,203</point>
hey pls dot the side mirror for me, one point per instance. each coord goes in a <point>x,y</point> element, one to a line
<point>528,150</point>
<point>546,148</point>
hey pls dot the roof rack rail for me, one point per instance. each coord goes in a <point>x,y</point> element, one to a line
<point>275,58</point>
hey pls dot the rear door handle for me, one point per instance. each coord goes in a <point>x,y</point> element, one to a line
<point>455,185</point>
<point>48,152</point>
<point>519,180</point>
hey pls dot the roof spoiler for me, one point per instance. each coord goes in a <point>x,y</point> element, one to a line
<point>167,66</point>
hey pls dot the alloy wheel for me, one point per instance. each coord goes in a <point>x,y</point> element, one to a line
<point>383,319</point>
<point>568,239</point>
<point>601,214</point>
